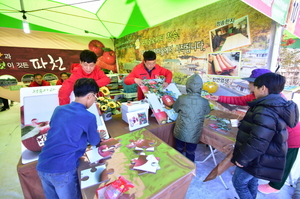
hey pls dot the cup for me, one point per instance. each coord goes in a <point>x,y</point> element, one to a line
<point>234,122</point>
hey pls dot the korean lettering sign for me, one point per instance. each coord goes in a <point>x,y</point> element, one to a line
<point>21,61</point>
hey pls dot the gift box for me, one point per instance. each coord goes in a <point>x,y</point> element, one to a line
<point>132,107</point>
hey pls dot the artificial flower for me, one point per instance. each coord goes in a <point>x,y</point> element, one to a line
<point>104,90</point>
<point>106,104</point>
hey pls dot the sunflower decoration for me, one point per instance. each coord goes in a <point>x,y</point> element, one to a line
<point>104,90</point>
<point>107,104</point>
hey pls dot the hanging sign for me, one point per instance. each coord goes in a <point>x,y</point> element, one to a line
<point>275,9</point>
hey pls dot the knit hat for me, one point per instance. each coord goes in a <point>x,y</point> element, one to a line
<point>256,73</point>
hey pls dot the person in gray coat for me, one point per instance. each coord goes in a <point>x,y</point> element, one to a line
<point>191,109</point>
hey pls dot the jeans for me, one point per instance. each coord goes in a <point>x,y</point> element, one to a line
<point>190,149</point>
<point>61,185</point>
<point>245,184</point>
<point>296,194</point>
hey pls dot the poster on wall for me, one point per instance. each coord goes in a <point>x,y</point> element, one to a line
<point>37,105</point>
<point>231,36</point>
<point>161,100</point>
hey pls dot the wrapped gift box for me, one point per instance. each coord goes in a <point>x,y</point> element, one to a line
<point>132,107</point>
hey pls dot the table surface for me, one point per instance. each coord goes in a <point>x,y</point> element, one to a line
<point>222,141</point>
<point>147,185</point>
<point>117,127</point>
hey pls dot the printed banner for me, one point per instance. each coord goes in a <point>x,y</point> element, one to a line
<point>22,63</point>
<point>293,19</point>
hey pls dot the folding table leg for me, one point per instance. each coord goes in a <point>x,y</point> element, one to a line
<point>291,180</point>
<point>212,154</point>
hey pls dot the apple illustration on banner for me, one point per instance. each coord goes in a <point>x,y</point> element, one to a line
<point>109,56</point>
<point>97,47</point>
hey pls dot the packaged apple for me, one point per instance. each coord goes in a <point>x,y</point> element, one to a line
<point>34,135</point>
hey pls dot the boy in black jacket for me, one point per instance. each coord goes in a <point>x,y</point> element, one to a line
<point>261,146</point>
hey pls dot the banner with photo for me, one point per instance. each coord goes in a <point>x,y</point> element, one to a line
<point>225,64</point>
<point>185,45</point>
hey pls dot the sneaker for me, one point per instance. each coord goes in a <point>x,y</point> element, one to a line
<point>3,109</point>
<point>267,189</point>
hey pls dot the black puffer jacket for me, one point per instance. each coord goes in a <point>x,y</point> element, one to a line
<point>261,140</point>
<point>191,110</point>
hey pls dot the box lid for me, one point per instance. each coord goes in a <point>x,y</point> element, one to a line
<point>135,106</point>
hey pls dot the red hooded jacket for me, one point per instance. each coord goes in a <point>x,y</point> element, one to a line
<point>139,71</point>
<point>67,87</point>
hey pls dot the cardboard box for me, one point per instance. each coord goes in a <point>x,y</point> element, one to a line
<point>135,106</point>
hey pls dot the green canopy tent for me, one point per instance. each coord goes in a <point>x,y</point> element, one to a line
<point>103,18</point>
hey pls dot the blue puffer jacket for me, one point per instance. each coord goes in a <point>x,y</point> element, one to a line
<point>191,109</point>
<point>261,140</point>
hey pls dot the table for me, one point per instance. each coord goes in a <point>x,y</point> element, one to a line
<point>30,181</point>
<point>117,127</point>
<point>223,142</point>
<point>31,184</point>
<point>149,185</point>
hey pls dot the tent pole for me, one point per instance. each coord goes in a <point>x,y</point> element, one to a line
<point>274,45</point>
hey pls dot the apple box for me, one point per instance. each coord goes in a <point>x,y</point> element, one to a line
<point>133,106</point>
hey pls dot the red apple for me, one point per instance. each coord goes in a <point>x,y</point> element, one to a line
<point>161,116</point>
<point>97,47</point>
<point>145,89</point>
<point>109,56</point>
<point>168,100</point>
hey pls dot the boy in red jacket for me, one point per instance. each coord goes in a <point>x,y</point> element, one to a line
<point>88,69</point>
<point>148,69</point>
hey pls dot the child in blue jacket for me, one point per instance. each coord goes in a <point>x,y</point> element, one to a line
<point>71,128</point>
